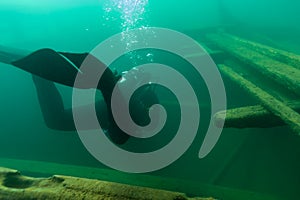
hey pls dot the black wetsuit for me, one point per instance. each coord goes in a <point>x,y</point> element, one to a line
<point>59,67</point>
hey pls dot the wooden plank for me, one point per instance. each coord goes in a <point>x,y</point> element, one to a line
<point>280,72</point>
<point>179,185</point>
<point>277,54</point>
<point>14,186</point>
<point>251,117</point>
<point>279,109</point>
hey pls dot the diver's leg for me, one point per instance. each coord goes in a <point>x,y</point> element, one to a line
<point>50,65</point>
<point>106,85</point>
<point>63,68</point>
<point>58,67</point>
<point>52,107</point>
<point>45,63</point>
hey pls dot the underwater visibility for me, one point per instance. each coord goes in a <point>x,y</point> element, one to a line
<point>149,99</point>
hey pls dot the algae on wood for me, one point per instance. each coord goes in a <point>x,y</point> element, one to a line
<point>276,54</point>
<point>283,73</point>
<point>288,115</point>
<point>14,186</point>
<point>193,188</point>
<point>251,117</point>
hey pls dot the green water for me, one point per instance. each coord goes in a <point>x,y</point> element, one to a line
<point>258,160</point>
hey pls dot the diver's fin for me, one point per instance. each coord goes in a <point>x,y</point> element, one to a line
<point>76,58</point>
<point>51,65</point>
<point>48,64</point>
<point>9,54</point>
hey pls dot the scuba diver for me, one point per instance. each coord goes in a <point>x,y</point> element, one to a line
<point>48,66</point>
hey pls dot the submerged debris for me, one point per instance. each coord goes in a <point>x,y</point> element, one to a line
<point>14,186</point>
<point>274,64</point>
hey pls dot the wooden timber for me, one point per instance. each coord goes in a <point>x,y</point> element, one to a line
<point>251,117</point>
<point>276,54</point>
<point>14,186</point>
<point>142,181</point>
<point>281,72</point>
<point>279,109</point>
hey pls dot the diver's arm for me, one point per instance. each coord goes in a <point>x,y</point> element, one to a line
<point>86,112</point>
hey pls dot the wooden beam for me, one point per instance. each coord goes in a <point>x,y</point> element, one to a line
<point>276,54</point>
<point>194,188</point>
<point>251,117</point>
<point>280,72</point>
<point>14,186</point>
<point>279,109</point>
